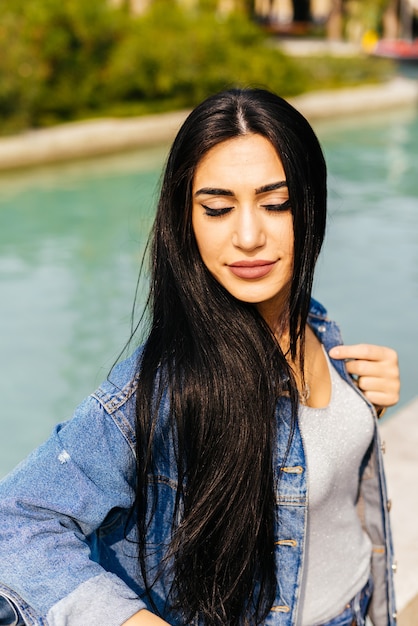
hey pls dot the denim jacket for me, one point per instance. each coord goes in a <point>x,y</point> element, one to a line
<point>67,542</point>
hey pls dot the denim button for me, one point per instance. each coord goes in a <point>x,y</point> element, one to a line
<point>281,609</point>
<point>286,542</point>
<point>298,469</point>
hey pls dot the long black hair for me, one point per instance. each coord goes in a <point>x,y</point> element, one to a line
<point>222,371</point>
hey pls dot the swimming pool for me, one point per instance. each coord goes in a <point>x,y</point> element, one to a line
<point>71,242</point>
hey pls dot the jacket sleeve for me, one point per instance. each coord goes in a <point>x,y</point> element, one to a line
<point>50,507</point>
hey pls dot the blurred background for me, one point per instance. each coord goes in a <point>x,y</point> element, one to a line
<point>64,60</point>
<point>72,235</point>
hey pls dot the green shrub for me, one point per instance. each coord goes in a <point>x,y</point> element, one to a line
<point>178,58</point>
<point>68,59</point>
<point>51,58</point>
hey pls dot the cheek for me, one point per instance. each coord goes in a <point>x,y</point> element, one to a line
<point>287,238</point>
<point>203,241</point>
<point>208,235</point>
<point>197,229</point>
<point>208,250</point>
<point>291,245</point>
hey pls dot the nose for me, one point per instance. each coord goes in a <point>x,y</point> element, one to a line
<point>248,232</point>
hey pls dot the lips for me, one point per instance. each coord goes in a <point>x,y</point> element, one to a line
<point>251,269</point>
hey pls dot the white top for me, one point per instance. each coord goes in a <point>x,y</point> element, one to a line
<point>337,551</point>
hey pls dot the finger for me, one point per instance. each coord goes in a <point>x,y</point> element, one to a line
<point>379,391</point>
<point>381,399</point>
<point>376,371</point>
<point>379,369</point>
<point>364,351</point>
<point>377,376</point>
<point>371,383</point>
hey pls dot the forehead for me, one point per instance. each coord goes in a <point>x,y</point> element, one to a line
<point>250,159</point>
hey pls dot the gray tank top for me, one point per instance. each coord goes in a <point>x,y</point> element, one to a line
<point>338,551</point>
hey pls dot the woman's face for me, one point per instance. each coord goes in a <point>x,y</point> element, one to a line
<point>243,223</point>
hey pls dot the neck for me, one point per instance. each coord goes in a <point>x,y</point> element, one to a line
<point>275,313</point>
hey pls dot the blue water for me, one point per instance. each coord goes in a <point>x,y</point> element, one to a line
<point>71,241</point>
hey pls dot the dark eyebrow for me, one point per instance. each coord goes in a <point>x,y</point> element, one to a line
<point>271,187</point>
<point>213,191</point>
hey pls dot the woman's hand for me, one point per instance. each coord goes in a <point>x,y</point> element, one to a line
<point>145,618</point>
<point>376,369</point>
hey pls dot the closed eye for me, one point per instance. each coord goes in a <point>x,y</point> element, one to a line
<point>216,212</point>
<point>282,206</point>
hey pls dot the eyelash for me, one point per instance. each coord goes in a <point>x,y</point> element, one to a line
<point>283,206</point>
<point>216,212</point>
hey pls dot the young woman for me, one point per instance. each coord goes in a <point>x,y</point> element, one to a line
<point>229,472</point>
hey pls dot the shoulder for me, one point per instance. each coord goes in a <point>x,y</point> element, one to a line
<point>121,384</point>
<point>317,310</point>
<point>92,453</point>
<point>116,395</point>
<point>327,331</point>
<point>318,318</point>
